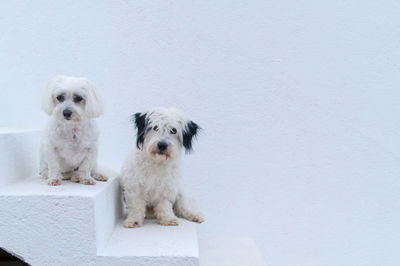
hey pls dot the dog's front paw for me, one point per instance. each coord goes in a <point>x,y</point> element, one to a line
<point>54,182</point>
<point>168,221</point>
<point>197,218</point>
<point>132,223</point>
<point>87,181</point>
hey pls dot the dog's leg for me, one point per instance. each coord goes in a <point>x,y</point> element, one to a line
<point>82,174</point>
<point>164,213</point>
<point>183,209</point>
<point>44,171</point>
<point>54,171</point>
<point>136,209</point>
<point>94,173</point>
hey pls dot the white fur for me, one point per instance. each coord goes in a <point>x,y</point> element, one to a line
<point>150,180</point>
<point>69,147</point>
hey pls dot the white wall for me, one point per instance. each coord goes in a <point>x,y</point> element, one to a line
<point>298,101</point>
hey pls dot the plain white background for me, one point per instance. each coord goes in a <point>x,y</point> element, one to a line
<point>298,101</point>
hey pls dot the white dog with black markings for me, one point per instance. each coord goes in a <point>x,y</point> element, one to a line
<point>150,175</point>
<point>69,144</point>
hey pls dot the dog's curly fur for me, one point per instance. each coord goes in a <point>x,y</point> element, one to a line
<point>150,175</point>
<point>69,144</point>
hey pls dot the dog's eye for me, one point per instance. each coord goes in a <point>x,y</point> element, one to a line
<point>155,128</point>
<point>60,98</point>
<point>173,131</point>
<point>77,99</point>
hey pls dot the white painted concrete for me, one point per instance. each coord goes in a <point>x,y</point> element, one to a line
<point>298,101</point>
<point>49,226</point>
<point>108,209</point>
<point>19,149</point>
<point>224,250</point>
<point>176,245</point>
<point>153,240</point>
<point>74,224</point>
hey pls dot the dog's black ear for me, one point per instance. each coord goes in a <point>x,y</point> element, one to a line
<point>141,122</point>
<point>191,129</point>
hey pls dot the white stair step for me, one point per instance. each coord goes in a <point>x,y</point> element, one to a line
<point>62,225</point>
<point>151,244</point>
<point>75,224</point>
<point>19,156</point>
<point>229,251</point>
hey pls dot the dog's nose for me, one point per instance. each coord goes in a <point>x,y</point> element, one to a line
<point>162,146</point>
<point>67,114</point>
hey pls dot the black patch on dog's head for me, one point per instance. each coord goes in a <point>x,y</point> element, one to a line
<point>191,129</point>
<point>141,122</point>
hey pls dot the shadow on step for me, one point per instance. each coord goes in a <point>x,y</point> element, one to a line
<point>7,259</point>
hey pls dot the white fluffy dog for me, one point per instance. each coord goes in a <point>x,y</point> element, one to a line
<point>69,145</point>
<point>150,175</point>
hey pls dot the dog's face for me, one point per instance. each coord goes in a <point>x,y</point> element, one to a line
<point>162,133</point>
<point>71,99</point>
